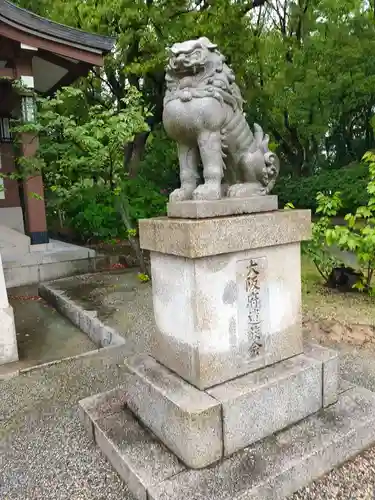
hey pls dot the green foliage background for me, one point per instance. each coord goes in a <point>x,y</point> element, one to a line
<point>306,69</point>
<point>351,181</point>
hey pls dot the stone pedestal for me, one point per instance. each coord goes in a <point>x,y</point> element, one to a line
<point>226,292</point>
<point>201,427</point>
<point>205,209</point>
<point>229,383</point>
<point>8,339</point>
<point>227,304</point>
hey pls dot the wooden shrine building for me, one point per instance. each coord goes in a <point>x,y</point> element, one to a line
<point>44,56</point>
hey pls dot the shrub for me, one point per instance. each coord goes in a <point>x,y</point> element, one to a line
<point>351,181</point>
<point>91,210</point>
<point>316,247</point>
<point>357,236</point>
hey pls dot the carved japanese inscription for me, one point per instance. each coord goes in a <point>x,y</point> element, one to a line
<point>254,321</point>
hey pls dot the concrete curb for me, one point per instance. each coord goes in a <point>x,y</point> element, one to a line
<point>87,321</point>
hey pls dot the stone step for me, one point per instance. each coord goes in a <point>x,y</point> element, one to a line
<point>136,455</point>
<point>186,419</point>
<point>36,263</point>
<point>201,426</point>
<point>272,469</point>
<point>13,244</point>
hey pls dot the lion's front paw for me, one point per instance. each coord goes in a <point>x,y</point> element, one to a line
<point>181,194</point>
<point>207,192</point>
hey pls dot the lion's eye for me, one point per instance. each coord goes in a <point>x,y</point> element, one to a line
<point>196,55</point>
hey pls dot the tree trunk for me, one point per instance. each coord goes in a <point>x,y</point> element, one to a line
<point>133,240</point>
<point>133,154</point>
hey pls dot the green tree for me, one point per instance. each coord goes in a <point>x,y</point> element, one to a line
<point>143,30</point>
<point>306,67</point>
<point>80,157</point>
<point>313,80</point>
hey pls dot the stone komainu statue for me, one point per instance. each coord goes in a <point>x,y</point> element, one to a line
<point>203,113</point>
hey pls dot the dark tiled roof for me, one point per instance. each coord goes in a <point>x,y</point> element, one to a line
<point>30,22</point>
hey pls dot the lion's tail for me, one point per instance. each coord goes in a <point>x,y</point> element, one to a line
<point>260,141</point>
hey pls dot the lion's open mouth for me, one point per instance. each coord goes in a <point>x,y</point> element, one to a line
<point>186,65</point>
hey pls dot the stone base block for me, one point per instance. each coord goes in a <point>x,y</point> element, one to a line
<point>237,313</point>
<point>201,426</point>
<point>186,419</point>
<point>330,371</point>
<point>257,405</point>
<point>198,209</point>
<point>8,339</point>
<point>272,469</point>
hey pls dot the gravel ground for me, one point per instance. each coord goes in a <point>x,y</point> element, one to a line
<point>45,453</point>
<point>355,480</point>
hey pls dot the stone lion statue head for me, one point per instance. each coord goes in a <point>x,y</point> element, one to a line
<point>192,56</point>
<point>198,63</point>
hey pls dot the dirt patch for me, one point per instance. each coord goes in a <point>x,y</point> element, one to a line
<point>327,306</point>
<point>330,332</point>
<point>334,318</point>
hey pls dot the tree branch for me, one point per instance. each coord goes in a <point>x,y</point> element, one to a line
<point>253,4</point>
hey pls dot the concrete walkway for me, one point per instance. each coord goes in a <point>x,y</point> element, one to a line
<point>43,335</point>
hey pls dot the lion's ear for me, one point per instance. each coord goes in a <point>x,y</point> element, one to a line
<point>207,43</point>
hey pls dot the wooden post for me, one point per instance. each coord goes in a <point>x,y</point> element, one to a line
<point>33,192</point>
<point>33,189</point>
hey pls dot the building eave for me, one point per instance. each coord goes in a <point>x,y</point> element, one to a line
<point>37,26</point>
